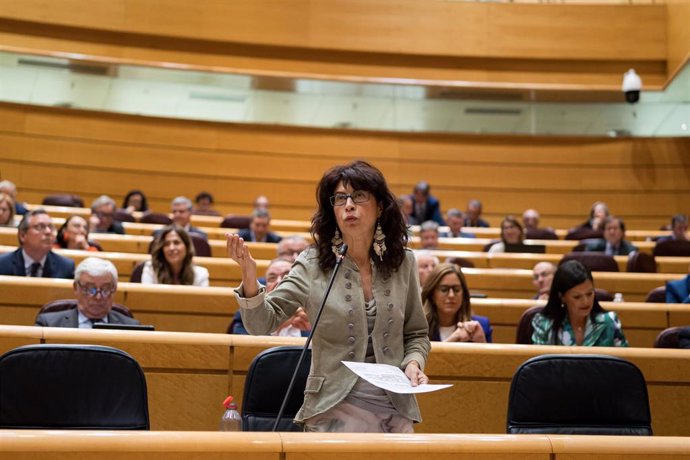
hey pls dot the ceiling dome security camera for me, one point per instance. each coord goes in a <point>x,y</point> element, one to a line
<point>632,84</point>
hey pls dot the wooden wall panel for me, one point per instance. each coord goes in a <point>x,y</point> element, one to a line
<point>585,46</point>
<point>49,150</point>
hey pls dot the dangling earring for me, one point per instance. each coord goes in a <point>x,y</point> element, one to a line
<point>562,305</point>
<point>336,241</point>
<point>379,241</point>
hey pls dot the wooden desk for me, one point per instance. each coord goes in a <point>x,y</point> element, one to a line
<point>109,445</point>
<point>188,375</point>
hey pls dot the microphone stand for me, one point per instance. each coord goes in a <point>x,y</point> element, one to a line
<point>338,260</point>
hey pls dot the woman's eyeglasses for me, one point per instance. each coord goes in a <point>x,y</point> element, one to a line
<point>446,289</point>
<point>358,197</point>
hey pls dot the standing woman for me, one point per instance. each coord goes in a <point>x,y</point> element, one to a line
<point>171,260</point>
<point>573,316</point>
<point>446,299</point>
<point>373,313</point>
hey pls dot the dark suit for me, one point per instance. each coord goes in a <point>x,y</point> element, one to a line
<point>678,291</point>
<point>246,235</point>
<point>432,211</point>
<point>624,247</point>
<point>20,209</point>
<point>56,266</point>
<point>479,223</point>
<point>70,318</point>
<point>116,227</point>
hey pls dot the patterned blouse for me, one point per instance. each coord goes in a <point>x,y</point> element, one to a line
<point>604,331</point>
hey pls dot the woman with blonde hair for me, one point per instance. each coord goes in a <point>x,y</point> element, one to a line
<point>171,260</point>
<point>6,210</point>
<point>446,300</point>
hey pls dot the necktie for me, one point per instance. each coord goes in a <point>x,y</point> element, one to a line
<point>33,270</point>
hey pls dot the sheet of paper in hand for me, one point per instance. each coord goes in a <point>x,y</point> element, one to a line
<point>389,378</point>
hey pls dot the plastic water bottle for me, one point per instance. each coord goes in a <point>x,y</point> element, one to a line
<point>618,297</point>
<point>231,420</point>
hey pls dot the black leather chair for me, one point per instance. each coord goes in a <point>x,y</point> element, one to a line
<point>137,271</point>
<point>672,248</point>
<point>641,262</point>
<point>657,295</point>
<point>540,234</point>
<point>235,221</point>
<point>524,328</point>
<point>68,304</point>
<point>155,218</point>
<point>578,394</point>
<point>582,233</point>
<point>72,387</point>
<point>668,338</point>
<point>201,246</point>
<point>460,261</point>
<point>595,261</point>
<point>64,199</point>
<point>123,216</point>
<point>264,389</point>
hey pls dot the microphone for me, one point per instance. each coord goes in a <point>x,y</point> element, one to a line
<point>338,260</point>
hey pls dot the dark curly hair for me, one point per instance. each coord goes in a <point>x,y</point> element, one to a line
<point>568,275</point>
<point>361,176</point>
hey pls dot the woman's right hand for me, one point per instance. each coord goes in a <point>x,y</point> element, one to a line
<point>239,252</point>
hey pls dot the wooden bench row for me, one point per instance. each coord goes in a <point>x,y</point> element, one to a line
<point>115,445</point>
<point>194,309</point>
<point>188,375</point>
<point>211,224</point>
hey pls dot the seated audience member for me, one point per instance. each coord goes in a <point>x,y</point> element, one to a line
<point>102,218</point>
<point>35,257</point>
<point>613,243</point>
<point>597,214</point>
<point>426,262</point>
<point>446,300</point>
<point>95,284</point>
<point>428,235</point>
<point>530,219</point>
<point>7,210</point>
<point>171,260</point>
<point>573,316</point>
<point>511,233</point>
<point>298,324</point>
<point>679,228</point>
<point>406,207</point>
<point>204,205</point>
<point>74,234</point>
<point>135,201</point>
<point>542,276</point>
<point>181,209</point>
<point>678,291</point>
<point>454,220</point>
<point>473,215</point>
<point>11,189</point>
<point>261,202</point>
<point>424,205</point>
<point>259,228</point>
<point>290,247</point>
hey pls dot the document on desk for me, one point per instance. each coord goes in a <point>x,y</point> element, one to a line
<point>389,378</point>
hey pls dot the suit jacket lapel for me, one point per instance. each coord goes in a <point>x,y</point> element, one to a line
<point>48,266</point>
<point>18,261</point>
<point>71,318</point>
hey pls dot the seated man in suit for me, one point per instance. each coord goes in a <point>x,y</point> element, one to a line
<point>298,325</point>
<point>291,246</point>
<point>424,205</point>
<point>102,218</point>
<point>679,228</point>
<point>429,234</point>
<point>542,276</point>
<point>613,243</point>
<point>473,215</point>
<point>455,219</point>
<point>35,257</point>
<point>181,208</point>
<point>95,283</point>
<point>258,230</point>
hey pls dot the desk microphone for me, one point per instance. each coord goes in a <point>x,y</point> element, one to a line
<point>338,260</point>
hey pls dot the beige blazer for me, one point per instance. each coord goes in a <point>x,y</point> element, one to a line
<point>400,332</point>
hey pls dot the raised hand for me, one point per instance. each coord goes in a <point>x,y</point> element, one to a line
<point>239,252</point>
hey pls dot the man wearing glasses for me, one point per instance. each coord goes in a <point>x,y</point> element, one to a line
<point>103,216</point>
<point>95,284</point>
<point>35,257</point>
